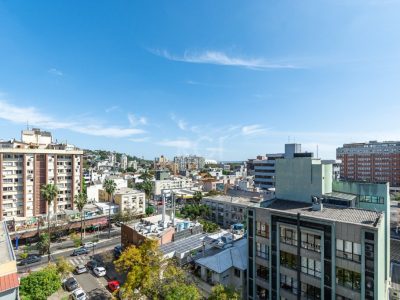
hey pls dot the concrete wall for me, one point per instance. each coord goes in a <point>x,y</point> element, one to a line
<point>298,179</point>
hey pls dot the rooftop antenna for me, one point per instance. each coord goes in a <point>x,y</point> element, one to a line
<point>317,151</point>
<point>27,125</point>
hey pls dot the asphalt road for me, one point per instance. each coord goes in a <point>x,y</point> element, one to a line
<point>101,246</point>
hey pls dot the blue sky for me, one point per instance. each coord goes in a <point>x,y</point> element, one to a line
<point>224,79</point>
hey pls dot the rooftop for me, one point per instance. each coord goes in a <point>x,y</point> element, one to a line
<point>363,217</point>
<point>234,256</point>
<point>184,245</point>
<point>6,250</point>
<point>246,201</point>
<point>126,190</point>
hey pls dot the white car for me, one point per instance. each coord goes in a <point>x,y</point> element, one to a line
<point>89,245</point>
<point>79,294</point>
<point>99,271</point>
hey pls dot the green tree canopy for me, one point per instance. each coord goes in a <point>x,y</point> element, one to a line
<point>41,284</point>
<point>219,292</point>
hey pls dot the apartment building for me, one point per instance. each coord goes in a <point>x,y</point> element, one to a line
<point>127,199</point>
<point>124,162</point>
<point>264,166</point>
<point>319,239</point>
<point>191,162</point>
<point>27,165</point>
<point>169,184</point>
<point>229,210</point>
<point>372,162</point>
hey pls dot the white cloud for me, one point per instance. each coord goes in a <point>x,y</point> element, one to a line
<point>56,72</point>
<point>134,121</point>
<point>220,58</point>
<point>255,129</point>
<point>180,143</point>
<point>22,115</point>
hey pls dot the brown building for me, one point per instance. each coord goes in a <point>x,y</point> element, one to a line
<point>372,162</point>
<point>31,163</point>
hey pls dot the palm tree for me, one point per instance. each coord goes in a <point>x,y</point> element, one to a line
<point>80,202</point>
<point>110,186</point>
<point>49,193</point>
<point>146,187</point>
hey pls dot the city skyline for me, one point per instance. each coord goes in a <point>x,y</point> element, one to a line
<point>223,80</point>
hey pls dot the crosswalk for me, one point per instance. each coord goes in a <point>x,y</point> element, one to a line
<point>78,260</point>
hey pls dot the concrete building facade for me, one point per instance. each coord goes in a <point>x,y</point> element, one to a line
<point>25,167</point>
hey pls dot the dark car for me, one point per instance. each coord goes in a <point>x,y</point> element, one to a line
<point>71,284</point>
<point>91,264</point>
<point>117,251</point>
<point>80,251</point>
<point>30,260</point>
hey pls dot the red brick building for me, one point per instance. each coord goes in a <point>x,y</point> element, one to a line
<point>372,162</point>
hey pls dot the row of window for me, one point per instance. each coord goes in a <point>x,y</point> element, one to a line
<point>348,279</point>
<point>308,240</point>
<point>348,250</point>
<point>371,199</point>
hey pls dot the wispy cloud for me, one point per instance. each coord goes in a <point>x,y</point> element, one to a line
<point>56,72</point>
<point>220,58</point>
<point>22,115</point>
<point>179,143</point>
<point>134,120</point>
<point>111,108</point>
<point>252,130</point>
<point>179,122</point>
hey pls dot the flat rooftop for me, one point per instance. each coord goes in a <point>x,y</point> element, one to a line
<point>245,201</point>
<point>184,245</point>
<point>334,213</point>
<point>6,248</point>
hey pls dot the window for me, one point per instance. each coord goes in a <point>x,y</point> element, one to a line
<point>311,242</point>
<point>262,293</point>
<point>289,284</point>
<point>348,250</point>
<point>262,229</point>
<point>236,272</point>
<point>338,297</point>
<point>262,272</point>
<point>310,292</point>
<point>262,250</point>
<point>311,267</point>
<point>348,279</point>
<point>288,260</point>
<point>371,199</point>
<point>288,236</point>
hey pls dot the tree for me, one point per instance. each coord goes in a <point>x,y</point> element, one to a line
<point>146,176</point>
<point>110,186</point>
<point>75,239</point>
<point>142,266</point>
<point>219,292</point>
<point>49,193</point>
<point>80,202</point>
<point>43,244</point>
<point>194,211</point>
<point>146,187</point>
<point>63,267</point>
<point>197,196</point>
<point>41,284</point>
<point>209,226</point>
<point>149,210</point>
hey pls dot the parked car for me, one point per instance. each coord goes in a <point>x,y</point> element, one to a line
<point>80,251</point>
<point>99,271</point>
<point>113,285</point>
<point>80,269</point>
<point>118,224</point>
<point>71,284</point>
<point>117,251</point>
<point>91,264</point>
<point>30,260</point>
<point>89,245</point>
<point>79,294</point>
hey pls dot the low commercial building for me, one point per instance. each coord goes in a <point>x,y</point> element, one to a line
<point>225,263</point>
<point>9,281</point>
<point>155,228</point>
<point>170,184</point>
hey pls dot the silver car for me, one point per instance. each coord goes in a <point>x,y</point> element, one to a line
<point>80,269</point>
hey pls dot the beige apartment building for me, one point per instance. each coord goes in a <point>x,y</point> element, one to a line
<point>127,199</point>
<point>27,165</point>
